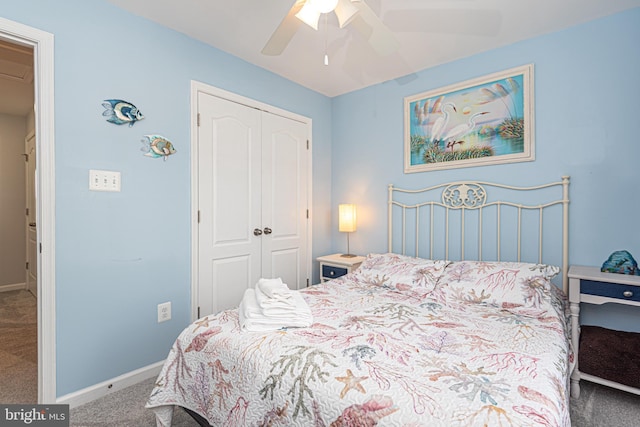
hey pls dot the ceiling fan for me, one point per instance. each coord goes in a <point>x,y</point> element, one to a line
<point>355,13</point>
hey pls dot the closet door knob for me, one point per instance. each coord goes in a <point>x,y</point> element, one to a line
<point>267,230</point>
<point>627,294</point>
<point>257,232</point>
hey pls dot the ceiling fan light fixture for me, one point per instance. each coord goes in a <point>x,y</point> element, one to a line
<point>345,11</point>
<point>323,6</point>
<point>309,15</point>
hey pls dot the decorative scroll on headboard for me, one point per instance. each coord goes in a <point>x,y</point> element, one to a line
<point>463,222</point>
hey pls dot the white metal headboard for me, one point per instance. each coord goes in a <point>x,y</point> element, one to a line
<point>472,197</point>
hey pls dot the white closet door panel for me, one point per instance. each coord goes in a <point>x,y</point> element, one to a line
<point>232,278</point>
<point>284,191</point>
<point>229,201</point>
<point>232,193</point>
<point>285,187</point>
<point>286,264</point>
<point>229,279</point>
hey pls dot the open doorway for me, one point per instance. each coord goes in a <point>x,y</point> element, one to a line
<point>18,255</point>
<point>20,37</point>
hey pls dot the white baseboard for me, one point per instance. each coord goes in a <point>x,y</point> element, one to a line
<point>13,287</point>
<point>102,389</point>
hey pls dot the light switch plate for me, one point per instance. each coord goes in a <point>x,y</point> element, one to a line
<point>104,180</point>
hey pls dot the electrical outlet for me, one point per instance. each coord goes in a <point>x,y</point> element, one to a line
<point>104,180</point>
<point>164,312</point>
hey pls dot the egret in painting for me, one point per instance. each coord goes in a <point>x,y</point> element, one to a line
<point>442,121</point>
<point>458,132</point>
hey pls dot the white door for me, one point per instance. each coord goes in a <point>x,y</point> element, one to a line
<point>284,199</point>
<point>229,202</point>
<point>31,230</point>
<point>252,199</point>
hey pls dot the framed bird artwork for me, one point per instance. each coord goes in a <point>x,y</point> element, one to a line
<point>484,121</point>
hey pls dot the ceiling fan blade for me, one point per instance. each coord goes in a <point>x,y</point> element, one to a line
<point>371,27</point>
<point>285,31</point>
<point>363,64</point>
<point>345,11</point>
<point>476,22</point>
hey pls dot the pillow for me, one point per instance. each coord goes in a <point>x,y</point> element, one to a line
<point>504,284</point>
<point>400,272</point>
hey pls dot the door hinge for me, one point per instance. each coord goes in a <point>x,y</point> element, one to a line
<point>307,213</point>
<point>307,282</point>
<point>198,312</point>
<point>27,211</point>
<point>198,217</point>
<point>26,158</point>
<point>198,119</point>
<point>307,144</point>
<point>26,266</point>
<point>40,247</point>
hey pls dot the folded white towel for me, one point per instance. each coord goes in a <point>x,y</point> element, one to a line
<point>264,301</point>
<point>299,311</point>
<point>274,288</point>
<point>298,308</point>
<point>254,325</point>
<point>252,318</point>
<point>262,325</point>
<point>249,306</point>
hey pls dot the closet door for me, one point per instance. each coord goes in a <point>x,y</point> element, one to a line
<point>284,199</point>
<point>252,199</point>
<point>229,201</point>
<point>31,231</point>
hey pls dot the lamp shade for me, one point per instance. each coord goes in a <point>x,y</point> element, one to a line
<point>347,218</point>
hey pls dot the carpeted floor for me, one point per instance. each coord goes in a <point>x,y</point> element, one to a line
<point>600,406</point>
<point>19,349</point>
<point>124,408</point>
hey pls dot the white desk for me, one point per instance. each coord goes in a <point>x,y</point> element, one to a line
<point>590,285</point>
<point>336,265</point>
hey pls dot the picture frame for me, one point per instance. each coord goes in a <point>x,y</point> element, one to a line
<point>488,120</point>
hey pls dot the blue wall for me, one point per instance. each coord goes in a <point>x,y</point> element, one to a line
<point>120,254</point>
<point>586,116</point>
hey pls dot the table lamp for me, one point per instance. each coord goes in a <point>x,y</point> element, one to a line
<point>347,223</point>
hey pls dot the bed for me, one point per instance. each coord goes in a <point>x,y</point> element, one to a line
<point>407,339</point>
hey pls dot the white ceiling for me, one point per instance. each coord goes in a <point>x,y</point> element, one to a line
<point>430,32</point>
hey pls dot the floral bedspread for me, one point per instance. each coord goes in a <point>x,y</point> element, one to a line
<point>400,342</point>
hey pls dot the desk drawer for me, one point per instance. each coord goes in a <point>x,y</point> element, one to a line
<point>611,290</point>
<point>332,272</point>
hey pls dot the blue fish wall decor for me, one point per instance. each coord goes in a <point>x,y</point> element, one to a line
<point>120,112</point>
<point>157,146</point>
